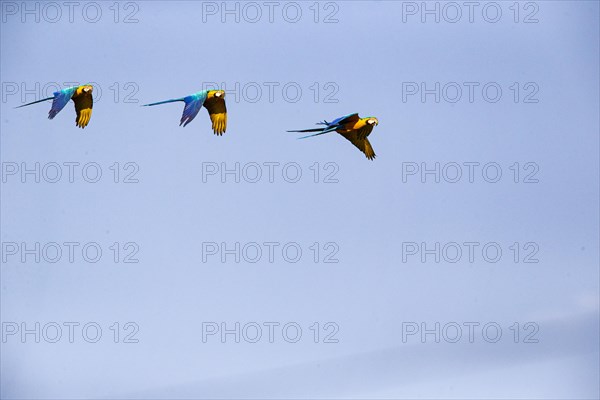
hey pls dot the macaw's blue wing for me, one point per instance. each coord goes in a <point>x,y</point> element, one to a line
<point>193,104</point>
<point>345,119</point>
<point>61,99</point>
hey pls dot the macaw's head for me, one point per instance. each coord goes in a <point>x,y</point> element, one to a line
<point>372,121</point>
<point>219,94</point>
<point>87,89</point>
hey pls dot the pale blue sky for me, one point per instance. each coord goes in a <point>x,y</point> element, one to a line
<point>367,55</point>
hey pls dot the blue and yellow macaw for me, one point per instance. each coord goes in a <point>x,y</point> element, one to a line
<point>212,100</point>
<point>81,96</point>
<point>352,127</point>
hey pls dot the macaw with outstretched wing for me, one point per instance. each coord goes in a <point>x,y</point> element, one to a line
<point>212,100</point>
<point>81,96</point>
<point>352,127</point>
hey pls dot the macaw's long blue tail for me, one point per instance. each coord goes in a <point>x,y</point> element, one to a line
<point>163,102</point>
<point>34,102</point>
<point>321,131</point>
<point>309,130</point>
<point>316,134</point>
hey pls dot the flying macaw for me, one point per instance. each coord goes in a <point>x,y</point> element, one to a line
<point>352,127</point>
<point>81,96</point>
<point>212,100</point>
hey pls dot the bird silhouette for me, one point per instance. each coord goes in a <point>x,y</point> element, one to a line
<point>81,96</point>
<point>352,127</point>
<point>212,100</point>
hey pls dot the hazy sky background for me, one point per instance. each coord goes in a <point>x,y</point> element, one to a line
<point>369,57</point>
